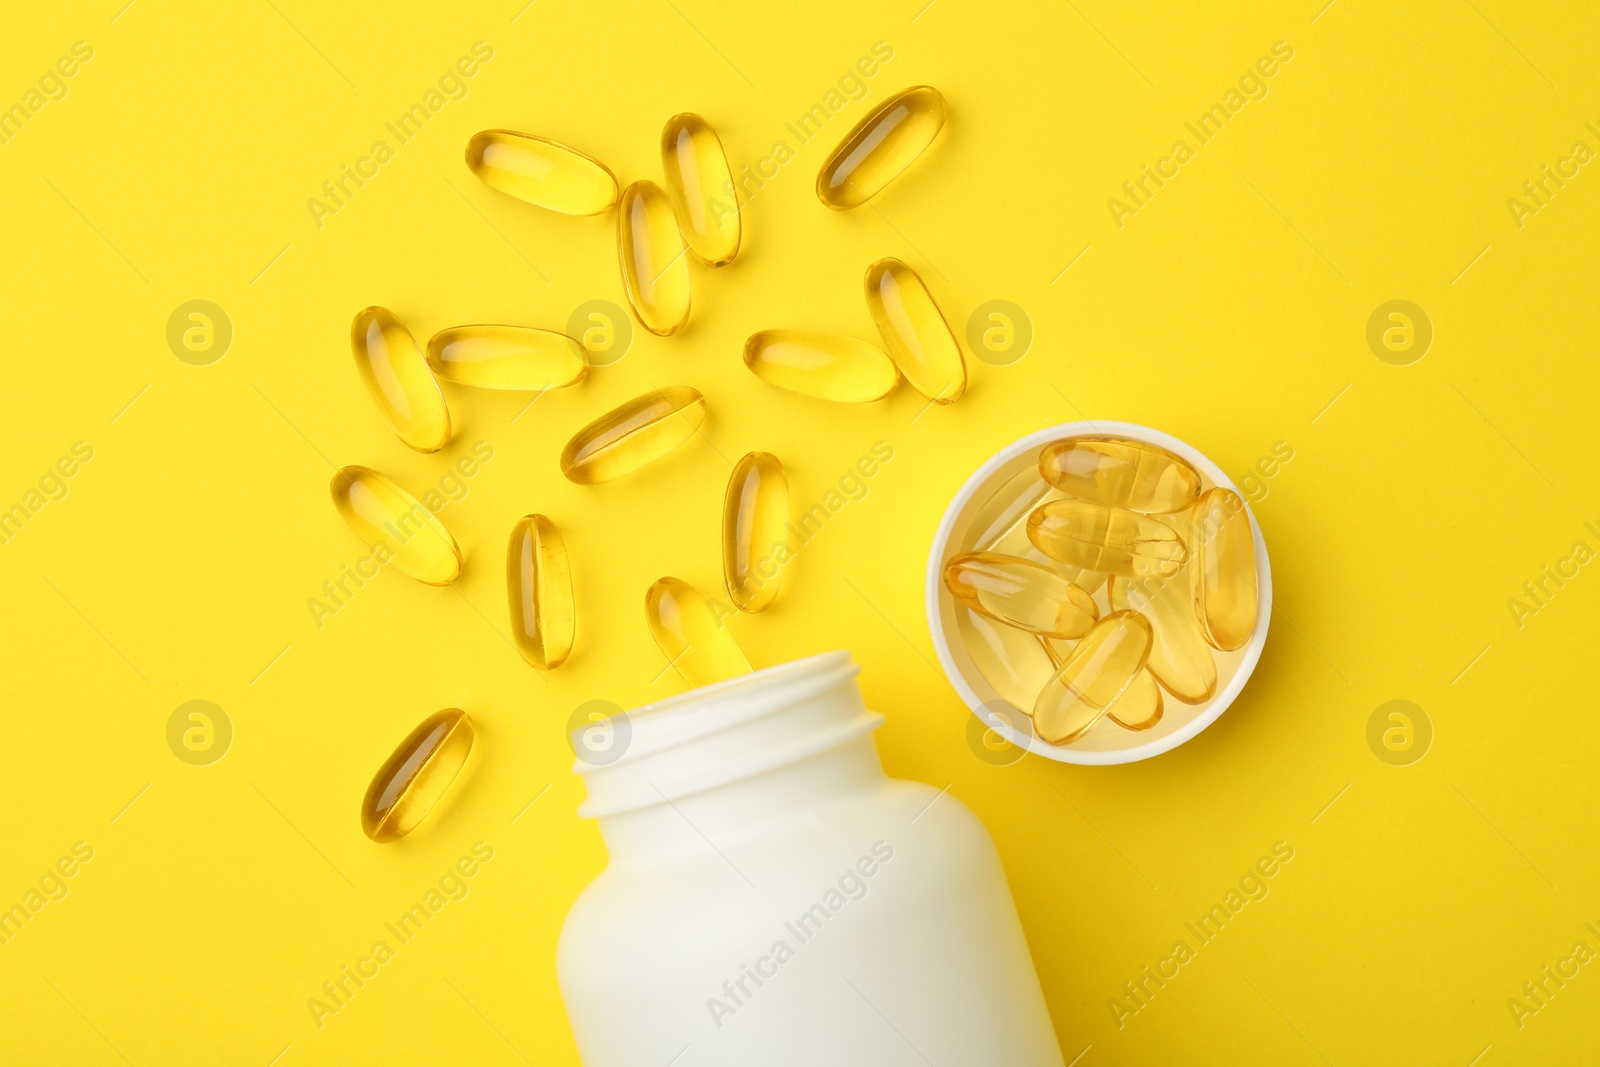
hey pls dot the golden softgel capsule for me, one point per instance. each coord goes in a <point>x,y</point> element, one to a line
<point>1179,657</point>
<point>1124,474</point>
<point>882,145</point>
<point>700,184</point>
<point>827,366</point>
<point>651,253</point>
<point>755,535</point>
<point>507,357</point>
<point>1014,662</point>
<point>395,523</point>
<point>1093,676</point>
<point>919,339</point>
<point>397,376</point>
<point>416,775</point>
<point>628,437</point>
<point>539,584</point>
<point>542,172</point>
<point>1020,593</point>
<point>691,633</point>
<point>1141,705</point>
<point>1225,594</point>
<point>1097,537</point>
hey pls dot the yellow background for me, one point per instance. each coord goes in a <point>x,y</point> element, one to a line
<point>1230,311</point>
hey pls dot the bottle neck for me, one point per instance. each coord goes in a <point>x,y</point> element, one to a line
<point>720,761</point>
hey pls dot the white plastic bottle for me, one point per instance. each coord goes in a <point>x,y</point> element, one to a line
<point>774,898</point>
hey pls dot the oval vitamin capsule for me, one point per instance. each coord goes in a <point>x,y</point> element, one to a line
<point>755,535</point>
<point>698,184</point>
<point>882,145</point>
<point>383,514</point>
<point>1141,706</point>
<point>651,254</point>
<point>1020,593</point>
<point>628,437</point>
<point>1097,537</point>
<point>1014,662</point>
<point>919,339</point>
<point>545,173</point>
<point>1179,656</point>
<point>507,357</point>
<point>394,372</point>
<point>416,775</point>
<point>1225,594</point>
<point>691,633</point>
<point>1122,473</point>
<point>827,366</point>
<point>539,584</point>
<point>1093,676</point>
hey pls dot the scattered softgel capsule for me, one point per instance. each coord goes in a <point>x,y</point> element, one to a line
<point>416,775</point>
<point>539,584</point>
<point>691,633</point>
<point>507,357</point>
<point>397,376</point>
<point>1124,474</point>
<point>918,337</point>
<point>824,365</point>
<point>628,437</point>
<point>755,534</point>
<point>1021,593</point>
<point>698,182</point>
<point>383,514</point>
<point>882,145</point>
<point>1225,594</point>
<point>1140,706</point>
<point>1097,537</point>
<point>1179,657</point>
<point>1093,676</point>
<point>545,173</point>
<point>651,254</point>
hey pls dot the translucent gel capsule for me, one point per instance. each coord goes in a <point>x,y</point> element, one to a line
<point>1179,657</point>
<point>650,250</point>
<point>1101,538</point>
<point>755,535</point>
<point>507,357</point>
<point>539,584</point>
<point>691,633</point>
<point>1124,474</point>
<point>1141,706</point>
<point>392,367</point>
<point>383,514</point>
<point>882,145</point>
<point>1001,525</point>
<point>1225,594</point>
<point>827,366</point>
<point>639,432</point>
<point>1092,677</point>
<point>416,775</point>
<point>544,173</point>
<point>698,179</point>
<point>914,329</point>
<point>1018,592</point>
<point>1014,662</point>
